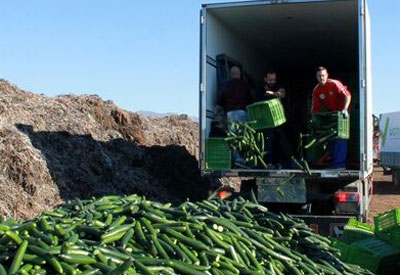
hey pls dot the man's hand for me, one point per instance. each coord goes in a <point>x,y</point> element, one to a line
<point>345,113</point>
<point>270,92</point>
<point>278,94</point>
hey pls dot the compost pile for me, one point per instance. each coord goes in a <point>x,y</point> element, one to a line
<point>130,235</point>
<point>55,149</point>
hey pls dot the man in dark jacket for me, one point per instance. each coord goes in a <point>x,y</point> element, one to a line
<point>235,96</point>
<point>278,146</point>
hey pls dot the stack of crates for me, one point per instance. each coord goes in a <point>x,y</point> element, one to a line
<point>343,248</point>
<point>218,154</point>
<point>336,121</point>
<point>387,227</point>
<point>376,248</point>
<point>375,255</point>
<point>372,254</point>
<point>266,114</point>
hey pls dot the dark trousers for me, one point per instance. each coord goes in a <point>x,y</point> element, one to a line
<point>269,144</point>
<point>338,151</point>
<point>278,146</point>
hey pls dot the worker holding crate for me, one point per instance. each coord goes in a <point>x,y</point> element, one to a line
<point>277,144</point>
<point>332,95</point>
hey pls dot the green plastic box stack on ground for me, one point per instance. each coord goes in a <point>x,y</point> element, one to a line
<point>218,154</point>
<point>377,247</point>
<point>266,114</point>
<point>388,221</point>
<point>355,231</point>
<point>387,227</point>
<point>338,122</point>
<point>375,255</point>
<point>343,247</point>
<point>392,237</point>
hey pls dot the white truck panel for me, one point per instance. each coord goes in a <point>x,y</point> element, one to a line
<point>390,139</point>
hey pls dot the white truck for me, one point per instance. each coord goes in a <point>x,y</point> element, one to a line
<point>389,124</point>
<point>295,37</point>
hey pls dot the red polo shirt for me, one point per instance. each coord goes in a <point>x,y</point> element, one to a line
<point>332,95</point>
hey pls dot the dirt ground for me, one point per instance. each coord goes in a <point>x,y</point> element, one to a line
<point>386,195</point>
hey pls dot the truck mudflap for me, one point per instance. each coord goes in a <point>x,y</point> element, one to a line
<point>326,225</point>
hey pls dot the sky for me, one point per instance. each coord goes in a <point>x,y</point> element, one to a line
<point>143,55</point>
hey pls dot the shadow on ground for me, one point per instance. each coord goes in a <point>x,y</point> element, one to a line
<point>84,167</point>
<point>386,188</point>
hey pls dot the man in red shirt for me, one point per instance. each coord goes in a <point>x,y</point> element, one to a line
<point>332,95</point>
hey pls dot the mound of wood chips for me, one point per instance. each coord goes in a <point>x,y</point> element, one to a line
<point>53,149</point>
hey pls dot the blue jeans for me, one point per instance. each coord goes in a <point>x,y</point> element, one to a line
<point>338,152</point>
<point>237,116</point>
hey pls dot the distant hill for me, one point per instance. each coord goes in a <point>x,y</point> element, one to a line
<point>160,115</point>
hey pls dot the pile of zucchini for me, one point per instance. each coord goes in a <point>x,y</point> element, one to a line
<point>131,235</point>
<point>247,142</point>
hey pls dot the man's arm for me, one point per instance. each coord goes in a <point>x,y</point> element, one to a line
<point>347,100</point>
<point>281,93</point>
<point>316,104</point>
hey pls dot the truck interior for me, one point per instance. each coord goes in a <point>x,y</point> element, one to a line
<point>293,39</point>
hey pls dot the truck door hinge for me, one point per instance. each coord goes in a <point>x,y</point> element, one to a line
<point>202,88</point>
<point>202,19</point>
<point>362,8</point>
<point>363,83</point>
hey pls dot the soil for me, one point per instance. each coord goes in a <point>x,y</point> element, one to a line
<point>386,195</point>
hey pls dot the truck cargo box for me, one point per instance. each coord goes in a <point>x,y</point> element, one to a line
<point>294,37</point>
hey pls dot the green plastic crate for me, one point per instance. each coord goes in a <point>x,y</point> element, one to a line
<point>339,123</point>
<point>314,153</point>
<point>392,238</point>
<point>355,230</point>
<point>344,248</point>
<point>360,225</point>
<point>266,114</point>
<point>353,233</point>
<point>374,255</point>
<point>218,154</point>
<point>387,222</point>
